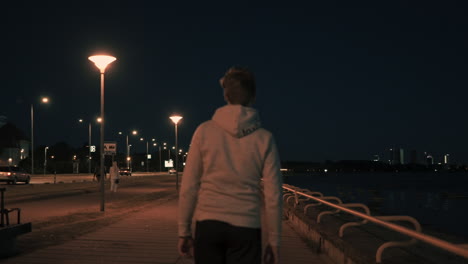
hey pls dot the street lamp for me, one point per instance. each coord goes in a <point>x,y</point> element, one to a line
<point>159,146</point>
<point>101,62</point>
<point>44,100</point>
<point>175,119</point>
<point>134,132</point>
<point>45,159</point>
<point>89,145</point>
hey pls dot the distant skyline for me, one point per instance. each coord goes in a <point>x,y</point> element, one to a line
<point>335,81</point>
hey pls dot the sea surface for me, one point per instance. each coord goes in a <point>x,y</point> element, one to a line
<point>438,200</point>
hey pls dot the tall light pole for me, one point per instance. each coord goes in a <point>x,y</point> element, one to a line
<point>45,159</point>
<point>159,146</point>
<point>89,145</point>
<point>175,119</point>
<point>134,132</point>
<point>44,100</point>
<point>101,62</point>
<point>147,160</point>
<point>142,139</point>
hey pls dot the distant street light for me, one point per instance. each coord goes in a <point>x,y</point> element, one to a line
<point>89,145</point>
<point>101,62</point>
<point>175,119</point>
<point>45,159</point>
<point>159,146</point>
<point>44,100</point>
<point>134,132</point>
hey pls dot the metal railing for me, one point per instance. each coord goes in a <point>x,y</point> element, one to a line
<point>461,250</point>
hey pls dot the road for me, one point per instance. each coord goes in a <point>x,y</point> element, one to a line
<point>68,178</point>
<point>60,212</point>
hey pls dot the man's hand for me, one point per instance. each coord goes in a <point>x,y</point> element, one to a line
<point>185,247</point>
<point>271,255</point>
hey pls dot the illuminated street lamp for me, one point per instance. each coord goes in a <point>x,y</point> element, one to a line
<point>89,144</point>
<point>44,100</point>
<point>134,132</point>
<point>175,119</point>
<point>101,62</point>
<point>142,139</point>
<point>45,159</point>
<point>159,146</point>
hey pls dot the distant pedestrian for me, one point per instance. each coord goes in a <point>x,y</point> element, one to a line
<point>97,173</point>
<point>221,186</point>
<point>114,176</point>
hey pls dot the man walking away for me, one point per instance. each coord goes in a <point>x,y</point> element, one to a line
<point>221,186</point>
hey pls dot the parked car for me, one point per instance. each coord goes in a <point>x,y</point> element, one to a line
<point>125,172</point>
<point>13,175</point>
<point>172,171</point>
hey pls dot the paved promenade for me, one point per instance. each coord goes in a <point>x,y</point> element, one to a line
<point>148,236</point>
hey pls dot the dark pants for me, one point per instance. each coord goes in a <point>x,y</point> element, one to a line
<point>218,242</point>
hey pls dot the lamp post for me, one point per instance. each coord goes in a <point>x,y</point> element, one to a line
<point>142,139</point>
<point>44,100</point>
<point>159,146</point>
<point>175,119</point>
<point>89,145</point>
<point>45,159</point>
<point>101,62</point>
<point>134,132</point>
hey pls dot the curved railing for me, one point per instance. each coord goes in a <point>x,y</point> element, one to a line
<point>294,193</point>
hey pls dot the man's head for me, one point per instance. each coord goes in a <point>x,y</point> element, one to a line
<point>239,86</point>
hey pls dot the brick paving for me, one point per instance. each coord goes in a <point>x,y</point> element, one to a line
<point>148,236</point>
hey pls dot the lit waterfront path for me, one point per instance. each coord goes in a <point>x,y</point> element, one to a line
<point>148,236</point>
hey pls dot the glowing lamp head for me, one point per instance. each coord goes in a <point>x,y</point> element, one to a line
<point>45,100</point>
<point>101,61</point>
<point>175,119</point>
<point>99,120</point>
<point>134,132</point>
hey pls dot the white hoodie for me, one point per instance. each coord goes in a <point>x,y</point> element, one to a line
<point>228,157</point>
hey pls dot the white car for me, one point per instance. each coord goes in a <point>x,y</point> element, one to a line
<point>13,175</point>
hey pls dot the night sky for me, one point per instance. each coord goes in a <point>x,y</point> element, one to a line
<point>335,81</point>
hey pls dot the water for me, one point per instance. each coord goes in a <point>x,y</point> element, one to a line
<point>439,201</point>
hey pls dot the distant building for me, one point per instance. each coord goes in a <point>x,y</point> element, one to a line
<point>446,159</point>
<point>14,145</point>
<point>429,160</point>
<point>397,156</point>
<point>376,158</point>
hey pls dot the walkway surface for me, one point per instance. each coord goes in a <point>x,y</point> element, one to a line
<point>148,236</point>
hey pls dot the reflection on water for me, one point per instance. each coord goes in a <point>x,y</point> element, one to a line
<point>436,200</point>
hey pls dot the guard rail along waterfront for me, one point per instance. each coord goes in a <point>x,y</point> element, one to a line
<point>310,199</point>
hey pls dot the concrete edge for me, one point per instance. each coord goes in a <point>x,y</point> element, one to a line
<point>337,250</point>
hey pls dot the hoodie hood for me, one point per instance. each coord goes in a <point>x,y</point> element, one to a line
<point>239,121</point>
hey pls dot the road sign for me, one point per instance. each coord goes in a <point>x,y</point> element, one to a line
<point>93,148</point>
<point>168,163</point>
<point>110,148</point>
<point>149,156</point>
